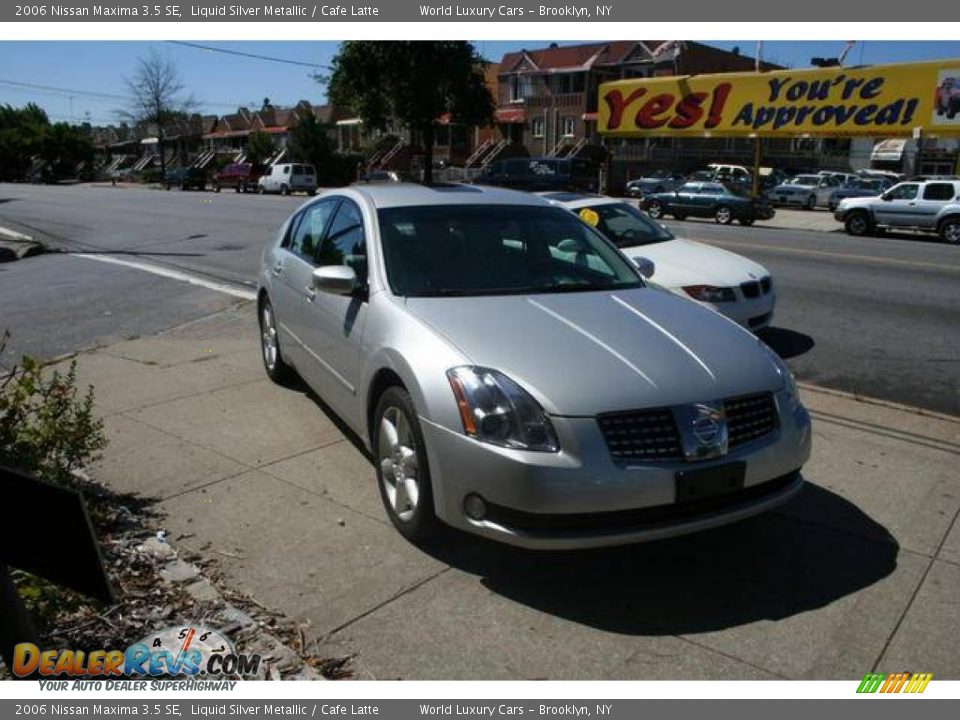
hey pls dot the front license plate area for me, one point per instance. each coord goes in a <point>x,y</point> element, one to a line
<point>709,482</point>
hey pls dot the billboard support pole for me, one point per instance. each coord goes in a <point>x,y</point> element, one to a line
<point>757,159</point>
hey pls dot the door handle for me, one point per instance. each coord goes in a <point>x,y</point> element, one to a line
<point>278,269</point>
<point>309,293</point>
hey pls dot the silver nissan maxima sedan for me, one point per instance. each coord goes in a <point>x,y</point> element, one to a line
<point>513,376</point>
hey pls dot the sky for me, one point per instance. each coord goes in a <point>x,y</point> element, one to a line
<point>85,80</point>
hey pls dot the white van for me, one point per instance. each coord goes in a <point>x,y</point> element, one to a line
<point>285,178</point>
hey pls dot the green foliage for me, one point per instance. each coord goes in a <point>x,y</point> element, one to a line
<point>26,134</point>
<point>47,427</point>
<point>310,143</point>
<point>259,147</point>
<point>413,82</point>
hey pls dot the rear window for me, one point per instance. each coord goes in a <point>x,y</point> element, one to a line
<point>303,170</point>
<point>938,191</point>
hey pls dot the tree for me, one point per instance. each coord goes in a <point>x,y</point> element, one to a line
<point>26,134</point>
<point>157,97</point>
<point>259,147</point>
<point>414,83</point>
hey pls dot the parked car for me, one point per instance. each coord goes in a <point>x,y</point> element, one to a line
<point>947,98</point>
<point>724,203</point>
<point>286,178</point>
<point>726,282</point>
<point>242,177</point>
<point>861,187</point>
<point>506,387</point>
<point>186,178</point>
<point>932,206</point>
<point>806,191</point>
<point>542,173</point>
<point>656,182</point>
<point>731,173</point>
<point>379,176</point>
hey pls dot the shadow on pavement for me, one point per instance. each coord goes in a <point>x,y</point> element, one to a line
<point>786,343</point>
<point>771,567</point>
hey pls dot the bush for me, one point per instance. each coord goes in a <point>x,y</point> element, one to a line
<point>47,426</point>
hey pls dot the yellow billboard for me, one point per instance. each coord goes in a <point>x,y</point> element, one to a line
<point>879,100</point>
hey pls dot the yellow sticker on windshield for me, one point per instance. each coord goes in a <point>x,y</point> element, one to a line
<point>589,216</point>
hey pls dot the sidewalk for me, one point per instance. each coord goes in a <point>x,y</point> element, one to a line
<point>860,573</point>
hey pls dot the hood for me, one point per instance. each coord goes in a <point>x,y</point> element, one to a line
<point>580,354</point>
<point>684,262</point>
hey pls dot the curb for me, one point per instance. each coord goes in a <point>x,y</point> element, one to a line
<point>868,400</point>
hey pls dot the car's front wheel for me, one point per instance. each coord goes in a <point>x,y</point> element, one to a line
<point>724,215</point>
<point>655,209</point>
<point>284,190</point>
<point>857,224</point>
<point>273,363</point>
<point>811,203</point>
<point>402,472</point>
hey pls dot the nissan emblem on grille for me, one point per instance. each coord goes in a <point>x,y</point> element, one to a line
<point>703,430</point>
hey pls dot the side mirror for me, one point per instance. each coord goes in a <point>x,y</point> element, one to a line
<point>886,198</point>
<point>645,266</point>
<point>335,279</point>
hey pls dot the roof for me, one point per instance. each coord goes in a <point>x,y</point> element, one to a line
<point>387,195</point>
<point>569,57</point>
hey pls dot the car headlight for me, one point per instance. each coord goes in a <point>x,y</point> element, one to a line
<point>710,294</point>
<point>494,409</point>
<point>789,382</point>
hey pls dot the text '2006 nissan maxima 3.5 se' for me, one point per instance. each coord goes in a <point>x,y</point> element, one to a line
<point>513,376</point>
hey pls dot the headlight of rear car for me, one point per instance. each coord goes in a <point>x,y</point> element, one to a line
<point>789,382</point>
<point>496,410</point>
<point>710,294</point>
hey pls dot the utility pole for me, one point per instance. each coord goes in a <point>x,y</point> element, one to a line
<point>918,156</point>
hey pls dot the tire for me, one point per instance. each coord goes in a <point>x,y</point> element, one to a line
<point>273,362</point>
<point>216,187</point>
<point>183,186</point>
<point>401,464</point>
<point>679,216</point>
<point>655,209</point>
<point>311,193</point>
<point>261,190</point>
<point>284,190</point>
<point>239,187</point>
<point>747,222</point>
<point>723,215</point>
<point>858,224</point>
<point>811,203</point>
<point>950,230</point>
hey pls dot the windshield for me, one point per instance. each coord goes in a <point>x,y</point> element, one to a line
<point>451,250</point>
<point>626,226</point>
<point>807,180</point>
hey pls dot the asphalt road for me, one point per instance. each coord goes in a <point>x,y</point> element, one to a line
<point>875,316</point>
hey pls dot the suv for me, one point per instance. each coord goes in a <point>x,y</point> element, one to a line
<point>185,178</point>
<point>540,174</point>
<point>928,206</point>
<point>285,178</point>
<point>240,176</point>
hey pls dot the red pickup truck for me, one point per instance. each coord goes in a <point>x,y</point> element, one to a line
<point>242,177</point>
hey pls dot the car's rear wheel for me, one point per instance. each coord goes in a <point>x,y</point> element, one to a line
<point>216,187</point>
<point>857,224</point>
<point>723,215</point>
<point>402,471</point>
<point>261,190</point>
<point>746,221</point>
<point>273,363</point>
<point>655,209</point>
<point>950,230</point>
<point>679,216</point>
<point>284,190</point>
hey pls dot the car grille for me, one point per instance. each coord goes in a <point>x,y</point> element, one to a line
<point>754,288</point>
<point>652,435</point>
<point>749,418</point>
<point>641,435</point>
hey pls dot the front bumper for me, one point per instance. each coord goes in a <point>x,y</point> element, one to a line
<point>752,313</point>
<point>580,497</point>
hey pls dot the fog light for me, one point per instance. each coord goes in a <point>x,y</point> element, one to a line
<point>475,507</point>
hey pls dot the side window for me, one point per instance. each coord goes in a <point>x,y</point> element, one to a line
<point>345,242</point>
<point>286,169</point>
<point>907,191</point>
<point>307,231</point>
<point>938,191</point>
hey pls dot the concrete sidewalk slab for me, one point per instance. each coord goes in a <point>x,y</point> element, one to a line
<point>838,583</point>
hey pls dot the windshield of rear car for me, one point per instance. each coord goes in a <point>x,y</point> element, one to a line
<point>805,180</point>
<point>626,226</point>
<point>463,250</point>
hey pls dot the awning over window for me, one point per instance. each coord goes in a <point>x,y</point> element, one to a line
<point>888,150</point>
<point>511,115</point>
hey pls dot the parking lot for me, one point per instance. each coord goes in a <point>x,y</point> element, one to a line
<point>859,573</point>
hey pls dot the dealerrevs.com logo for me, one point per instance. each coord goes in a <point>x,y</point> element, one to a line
<point>902,682</point>
<point>188,650</point>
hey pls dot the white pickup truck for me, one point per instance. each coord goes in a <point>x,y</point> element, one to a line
<point>927,206</point>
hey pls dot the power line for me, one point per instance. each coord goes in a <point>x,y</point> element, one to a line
<point>252,56</point>
<point>70,92</point>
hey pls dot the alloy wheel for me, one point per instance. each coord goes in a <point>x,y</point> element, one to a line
<point>398,463</point>
<point>268,337</point>
<point>951,231</point>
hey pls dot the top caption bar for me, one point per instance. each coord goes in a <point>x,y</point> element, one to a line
<point>419,11</point>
